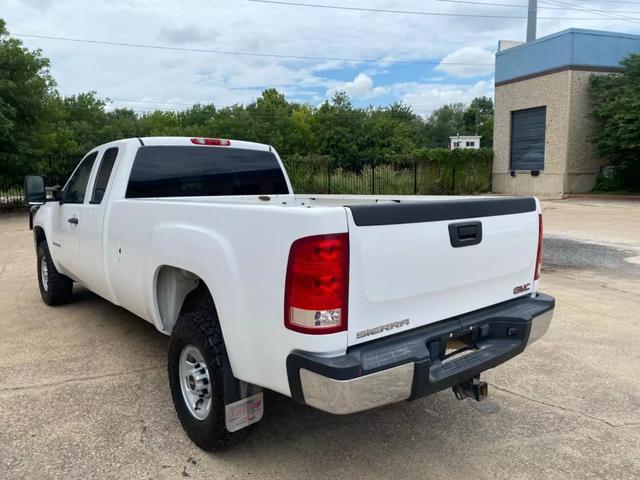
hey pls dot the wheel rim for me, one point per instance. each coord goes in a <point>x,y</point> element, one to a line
<point>44,274</point>
<point>195,382</point>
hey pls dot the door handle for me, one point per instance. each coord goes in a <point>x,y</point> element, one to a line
<point>73,220</point>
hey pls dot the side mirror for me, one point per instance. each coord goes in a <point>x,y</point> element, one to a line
<point>55,193</point>
<point>35,192</point>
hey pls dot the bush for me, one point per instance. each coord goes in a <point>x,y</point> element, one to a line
<point>609,180</point>
<point>473,169</point>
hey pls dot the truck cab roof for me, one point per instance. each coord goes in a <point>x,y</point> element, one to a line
<point>185,141</point>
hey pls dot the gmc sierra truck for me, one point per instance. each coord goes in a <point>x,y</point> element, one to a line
<point>344,303</point>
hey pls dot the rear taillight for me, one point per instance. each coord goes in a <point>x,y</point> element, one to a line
<point>317,284</point>
<point>211,141</point>
<point>539,256</point>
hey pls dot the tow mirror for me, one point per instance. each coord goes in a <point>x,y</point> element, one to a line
<point>35,192</point>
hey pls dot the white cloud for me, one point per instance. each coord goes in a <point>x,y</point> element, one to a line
<point>467,55</point>
<point>185,34</point>
<point>163,75</point>
<point>41,5</point>
<point>360,87</point>
<point>424,98</point>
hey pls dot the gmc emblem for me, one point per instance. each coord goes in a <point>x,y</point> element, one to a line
<point>522,288</point>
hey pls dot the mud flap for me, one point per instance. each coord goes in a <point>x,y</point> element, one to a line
<point>244,402</point>
<point>244,412</point>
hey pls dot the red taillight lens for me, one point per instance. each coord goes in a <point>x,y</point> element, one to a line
<point>317,284</point>
<point>539,257</point>
<point>211,141</point>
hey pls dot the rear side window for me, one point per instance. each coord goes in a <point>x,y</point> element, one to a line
<point>104,173</point>
<point>186,171</point>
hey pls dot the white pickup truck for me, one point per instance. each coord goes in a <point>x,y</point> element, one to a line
<point>344,303</point>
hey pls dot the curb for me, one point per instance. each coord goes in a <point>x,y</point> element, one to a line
<point>632,198</point>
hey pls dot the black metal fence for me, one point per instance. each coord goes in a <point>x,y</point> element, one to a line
<point>414,177</point>
<point>468,175</point>
<point>56,171</point>
<point>11,197</point>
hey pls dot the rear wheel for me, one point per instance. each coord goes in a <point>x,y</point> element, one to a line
<point>55,288</point>
<point>196,371</point>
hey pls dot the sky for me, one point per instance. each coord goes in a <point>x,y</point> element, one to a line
<point>432,60</point>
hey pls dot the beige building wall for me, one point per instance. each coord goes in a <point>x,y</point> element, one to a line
<point>569,164</point>
<point>583,165</point>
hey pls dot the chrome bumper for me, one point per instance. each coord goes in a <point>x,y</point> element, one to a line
<point>539,326</point>
<point>363,393</point>
<point>396,383</point>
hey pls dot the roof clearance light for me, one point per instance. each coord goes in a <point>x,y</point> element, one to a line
<point>211,141</point>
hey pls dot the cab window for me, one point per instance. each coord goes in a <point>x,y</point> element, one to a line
<point>190,171</point>
<point>76,187</point>
<point>104,174</point>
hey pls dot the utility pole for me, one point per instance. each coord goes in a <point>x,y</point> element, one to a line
<point>532,17</point>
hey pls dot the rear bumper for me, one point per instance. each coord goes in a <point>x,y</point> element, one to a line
<point>412,364</point>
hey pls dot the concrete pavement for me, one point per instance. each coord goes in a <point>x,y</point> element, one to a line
<point>84,394</point>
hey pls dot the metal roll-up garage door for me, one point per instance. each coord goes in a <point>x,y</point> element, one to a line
<point>527,138</point>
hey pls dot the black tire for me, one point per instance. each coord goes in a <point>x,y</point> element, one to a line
<point>201,329</point>
<point>58,288</point>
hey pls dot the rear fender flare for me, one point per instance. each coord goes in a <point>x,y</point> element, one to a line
<point>203,253</point>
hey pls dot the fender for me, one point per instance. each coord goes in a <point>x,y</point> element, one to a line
<point>42,219</point>
<point>211,257</point>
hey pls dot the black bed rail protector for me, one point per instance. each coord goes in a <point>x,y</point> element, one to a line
<point>417,212</point>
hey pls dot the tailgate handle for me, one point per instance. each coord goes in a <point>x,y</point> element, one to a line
<point>464,234</point>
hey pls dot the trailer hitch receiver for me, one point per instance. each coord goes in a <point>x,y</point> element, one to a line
<point>473,388</point>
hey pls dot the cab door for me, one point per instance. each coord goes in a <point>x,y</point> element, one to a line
<point>67,221</point>
<point>93,251</point>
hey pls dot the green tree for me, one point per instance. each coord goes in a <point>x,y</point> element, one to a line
<point>390,133</point>
<point>478,120</point>
<point>271,120</point>
<point>121,123</point>
<point>230,122</point>
<point>26,107</point>
<point>159,123</point>
<point>302,137</point>
<point>80,122</point>
<point>443,123</point>
<point>616,108</point>
<point>196,116</point>
<point>339,129</point>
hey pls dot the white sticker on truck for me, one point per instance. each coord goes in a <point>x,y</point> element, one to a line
<point>244,412</point>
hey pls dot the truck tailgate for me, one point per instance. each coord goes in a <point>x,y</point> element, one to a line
<point>417,263</point>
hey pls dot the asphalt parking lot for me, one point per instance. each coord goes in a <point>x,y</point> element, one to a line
<point>84,394</point>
